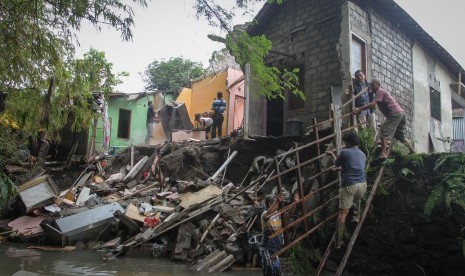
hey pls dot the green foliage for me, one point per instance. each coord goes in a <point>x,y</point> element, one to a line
<point>299,261</point>
<point>171,75</point>
<point>367,140</point>
<point>11,142</point>
<point>7,189</point>
<point>36,37</point>
<point>37,57</point>
<point>382,191</point>
<point>407,172</point>
<point>450,187</point>
<point>71,95</point>
<point>270,81</point>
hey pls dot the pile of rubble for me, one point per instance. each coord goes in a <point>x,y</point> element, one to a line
<point>174,200</point>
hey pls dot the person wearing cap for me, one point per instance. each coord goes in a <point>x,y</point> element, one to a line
<point>351,160</point>
<point>395,123</point>
<point>205,123</point>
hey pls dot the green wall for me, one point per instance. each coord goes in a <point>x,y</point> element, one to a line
<point>138,130</point>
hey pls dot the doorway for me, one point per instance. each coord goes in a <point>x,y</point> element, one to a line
<point>275,117</point>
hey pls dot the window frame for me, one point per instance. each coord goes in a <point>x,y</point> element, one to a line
<point>363,60</point>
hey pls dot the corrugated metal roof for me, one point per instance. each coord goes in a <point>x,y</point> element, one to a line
<point>458,128</point>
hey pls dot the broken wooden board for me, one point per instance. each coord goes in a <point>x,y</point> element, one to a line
<point>37,193</point>
<point>113,243</point>
<point>26,226</point>
<point>133,212</point>
<point>163,209</point>
<point>203,195</point>
<point>53,248</point>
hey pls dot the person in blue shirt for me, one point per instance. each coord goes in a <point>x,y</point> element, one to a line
<point>362,86</point>
<point>218,107</point>
<point>351,160</point>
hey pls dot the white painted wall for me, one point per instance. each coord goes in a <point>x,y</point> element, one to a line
<point>422,114</point>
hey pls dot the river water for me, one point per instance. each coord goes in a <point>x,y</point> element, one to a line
<point>18,260</point>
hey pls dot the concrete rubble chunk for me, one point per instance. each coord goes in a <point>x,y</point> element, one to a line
<point>83,196</point>
<point>223,264</point>
<point>83,180</point>
<point>183,241</point>
<point>131,184</point>
<point>137,167</point>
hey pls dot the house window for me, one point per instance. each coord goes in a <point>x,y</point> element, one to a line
<point>357,55</point>
<point>435,103</point>
<point>295,101</point>
<point>124,123</point>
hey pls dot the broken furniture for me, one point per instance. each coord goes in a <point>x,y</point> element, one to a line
<point>83,226</point>
<point>36,193</point>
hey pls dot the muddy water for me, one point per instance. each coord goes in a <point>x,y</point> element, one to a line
<point>17,260</point>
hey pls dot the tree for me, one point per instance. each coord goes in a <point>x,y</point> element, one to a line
<point>171,75</point>
<point>252,50</point>
<point>68,95</point>
<point>36,43</point>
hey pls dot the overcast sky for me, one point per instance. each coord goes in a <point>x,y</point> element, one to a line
<point>169,28</point>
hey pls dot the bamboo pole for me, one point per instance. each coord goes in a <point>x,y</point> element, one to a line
<point>326,255</point>
<point>301,189</point>
<point>311,231</point>
<point>297,221</point>
<point>310,195</point>
<point>343,263</point>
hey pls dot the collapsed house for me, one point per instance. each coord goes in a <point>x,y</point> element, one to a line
<point>183,199</point>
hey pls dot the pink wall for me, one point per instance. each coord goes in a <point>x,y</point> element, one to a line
<point>235,83</point>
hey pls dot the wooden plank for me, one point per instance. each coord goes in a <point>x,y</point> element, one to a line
<point>189,199</point>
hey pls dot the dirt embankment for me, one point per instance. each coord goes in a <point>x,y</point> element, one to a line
<point>399,239</point>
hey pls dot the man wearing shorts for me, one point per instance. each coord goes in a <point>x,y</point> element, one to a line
<point>353,187</point>
<point>395,123</point>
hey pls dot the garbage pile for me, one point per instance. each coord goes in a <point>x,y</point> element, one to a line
<point>173,199</point>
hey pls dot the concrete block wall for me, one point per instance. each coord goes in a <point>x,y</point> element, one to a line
<point>389,56</point>
<point>310,30</point>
